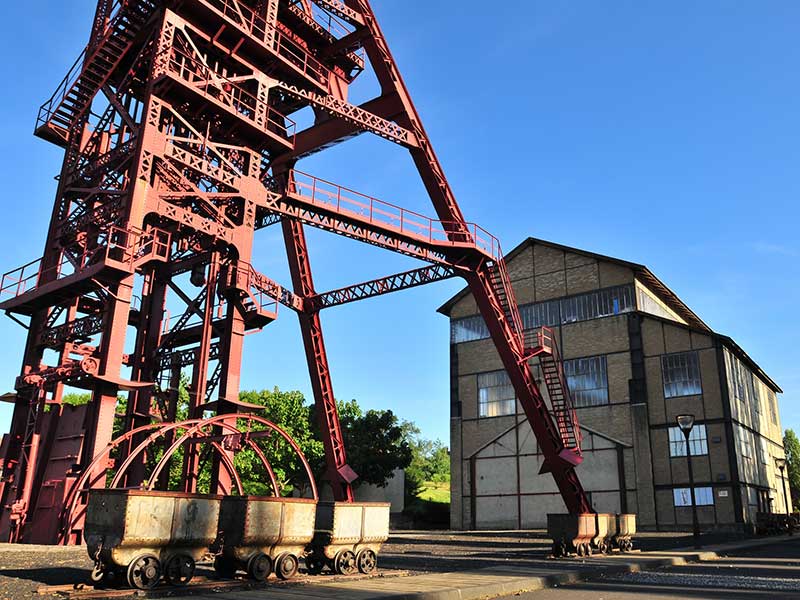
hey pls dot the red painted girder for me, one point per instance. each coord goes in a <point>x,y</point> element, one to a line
<point>339,472</point>
<point>559,463</point>
<point>342,10</point>
<point>330,132</point>
<point>384,285</point>
<point>418,235</point>
<point>493,296</point>
<point>357,116</point>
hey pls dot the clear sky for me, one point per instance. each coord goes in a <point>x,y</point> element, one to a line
<point>664,133</point>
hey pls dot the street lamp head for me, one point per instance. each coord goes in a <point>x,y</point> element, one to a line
<point>685,422</point>
<point>780,463</point>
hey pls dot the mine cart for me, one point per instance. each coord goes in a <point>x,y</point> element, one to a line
<point>626,529</point>
<point>140,536</point>
<point>572,533</point>
<point>348,537</point>
<point>605,532</point>
<point>262,534</point>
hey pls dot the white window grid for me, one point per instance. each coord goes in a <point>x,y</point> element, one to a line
<point>703,496</point>
<point>698,441</point>
<point>496,396</point>
<point>681,374</point>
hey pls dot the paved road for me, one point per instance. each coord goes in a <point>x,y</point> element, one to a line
<point>771,572</point>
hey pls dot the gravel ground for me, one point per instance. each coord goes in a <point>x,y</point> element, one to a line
<point>697,580</point>
<point>24,569</point>
<point>771,571</point>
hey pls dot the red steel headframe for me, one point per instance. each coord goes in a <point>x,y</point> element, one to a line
<point>179,143</point>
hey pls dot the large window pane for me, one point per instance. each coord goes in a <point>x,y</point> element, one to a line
<point>681,374</point>
<point>587,379</point>
<point>468,330</point>
<point>703,496</point>
<point>698,441</point>
<point>602,303</point>
<point>745,443</point>
<point>773,406</point>
<point>546,314</point>
<point>496,395</point>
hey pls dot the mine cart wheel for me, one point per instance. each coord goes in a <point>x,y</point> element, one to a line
<point>579,550</point>
<point>144,572</point>
<point>367,561</point>
<point>286,566</point>
<point>224,567</point>
<point>259,567</point>
<point>345,562</point>
<point>179,569</point>
<point>556,550</point>
<point>315,563</point>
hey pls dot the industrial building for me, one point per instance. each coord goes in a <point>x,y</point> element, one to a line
<point>635,357</point>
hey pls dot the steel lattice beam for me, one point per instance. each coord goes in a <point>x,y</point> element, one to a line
<point>384,285</point>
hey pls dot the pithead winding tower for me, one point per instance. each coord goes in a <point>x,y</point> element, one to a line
<point>179,146</point>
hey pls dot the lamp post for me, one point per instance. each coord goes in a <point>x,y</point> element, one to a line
<point>686,422</point>
<point>781,464</point>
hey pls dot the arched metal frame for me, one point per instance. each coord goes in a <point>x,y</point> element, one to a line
<point>193,430</point>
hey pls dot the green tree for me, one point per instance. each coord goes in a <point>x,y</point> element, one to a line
<point>288,411</point>
<point>74,399</point>
<point>791,446</point>
<point>440,463</point>
<point>430,462</point>
<point>376,443</point>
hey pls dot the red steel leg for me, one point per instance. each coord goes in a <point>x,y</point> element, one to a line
<point>339,472</point>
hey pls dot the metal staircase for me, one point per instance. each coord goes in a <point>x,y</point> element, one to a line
<point>501,285</point>
<point>91,71</point>
<point>563,410</point>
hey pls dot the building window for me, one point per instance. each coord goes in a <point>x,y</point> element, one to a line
<point>587,379</point>
<point>746,445</point>
<point>468,330</point>
<point>755,397</point>
<point>703,496</point>
<point>602,303</point>
<point>773,406</point>
<point>681,374</point>
<point>764,447</point>
<point>698,441</point>
<point>740,379</point>
<point>547,314</point>
<point>496,395</point>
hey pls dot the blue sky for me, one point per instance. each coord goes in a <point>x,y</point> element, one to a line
<point>662,133</point>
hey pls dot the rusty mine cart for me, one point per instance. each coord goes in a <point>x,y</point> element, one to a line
<point>259,535</point>
<point>141,536</point>
<point>348,537</point>
<point>584,534</point>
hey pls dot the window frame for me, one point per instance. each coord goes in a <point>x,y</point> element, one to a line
<point>704,496</point>
<point>665,369</point>
<point>481,404</point>
<point>602,362</point>
<point>695,441</point>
